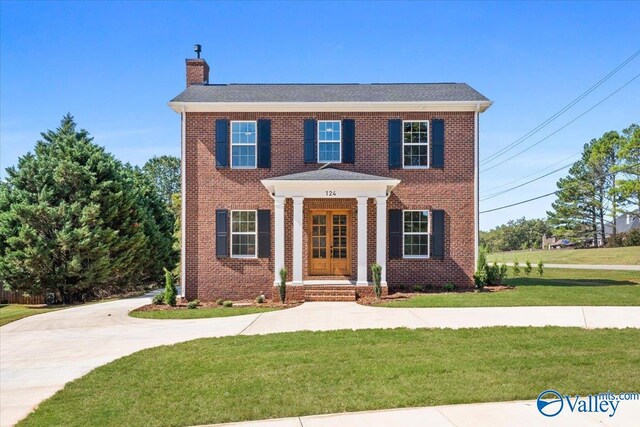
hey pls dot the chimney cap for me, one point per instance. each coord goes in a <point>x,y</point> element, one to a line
<point>197,49</point>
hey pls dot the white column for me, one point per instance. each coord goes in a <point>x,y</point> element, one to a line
<point>362,241</point>
<point>183,204</point>
<point>298,227</point>
<point>381,237</point>
<point>278,238</point>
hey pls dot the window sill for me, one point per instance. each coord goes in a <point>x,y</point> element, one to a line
<point>416,257</point>
<point>244,256</point>
<point>415,167</point>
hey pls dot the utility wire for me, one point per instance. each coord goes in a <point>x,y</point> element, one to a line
<point>559,113</point>
<point>554,192</point>
<point>564,126</point>
<point>531,174</point>
<point>499,193</point>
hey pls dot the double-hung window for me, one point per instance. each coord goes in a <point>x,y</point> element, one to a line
<point>329,141</point>
<point>416,234</point>
<point>415,144</point>
<point>243,144</point>
<point>243,234</point>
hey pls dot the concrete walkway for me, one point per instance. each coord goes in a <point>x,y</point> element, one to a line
<point>39,354</point>
<point>585,266</point>
<point>498,414</point>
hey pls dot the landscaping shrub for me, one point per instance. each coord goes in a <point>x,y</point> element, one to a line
<point>540,268</point>
<point>502,273</point>
<point>448,287</point>
<point>158,298</point>
<point>516,268</point>
<point>480,279</point>
<point>527,268</point>
<point>219,301</point>
<point>228,304</point>
<point>193,304</point>
<point>283,284</point>
<point>417,288</point>
<point>260,299</point>
<point>170,290</point>
<point>376,274</point>
<point>481,276</point>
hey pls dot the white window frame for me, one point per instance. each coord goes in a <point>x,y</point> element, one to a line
<point>428,233</point>
<point>332,142</point>
<point>244,233</point>
<point>428,144</point>
<point>255,144</point>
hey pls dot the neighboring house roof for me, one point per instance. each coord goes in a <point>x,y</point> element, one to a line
<point>351,92</point>
<point>624,223</point>
<point>329,174</point>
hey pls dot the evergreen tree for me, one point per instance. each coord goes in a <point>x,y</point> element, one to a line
<point>627,187</point>
<point>164,172</point>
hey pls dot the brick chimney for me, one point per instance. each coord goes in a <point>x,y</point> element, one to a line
<point>197,71</point>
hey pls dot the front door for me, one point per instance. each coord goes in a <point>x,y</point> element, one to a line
<point>329,252</point>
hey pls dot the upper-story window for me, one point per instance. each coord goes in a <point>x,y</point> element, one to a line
<point>329,141</point>
<point>243,144</point>
<point>415,144</point>
<point>416,234</point>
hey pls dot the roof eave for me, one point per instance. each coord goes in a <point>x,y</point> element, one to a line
<point>226,107</point>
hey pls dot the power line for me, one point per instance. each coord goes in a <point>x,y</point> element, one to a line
<point>491,196</point>
<point>564,126</point>
<point>532,173</point>
<point>554,192</point>
<point>559,113</point>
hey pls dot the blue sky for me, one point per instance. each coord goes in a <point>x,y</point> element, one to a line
<point>114,66</point>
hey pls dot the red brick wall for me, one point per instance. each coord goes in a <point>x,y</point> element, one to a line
<point>208,189</point>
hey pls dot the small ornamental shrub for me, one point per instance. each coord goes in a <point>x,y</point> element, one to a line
<point>516,268</point>
<point>480,278</point>
<point>219,301</point>
<point>376,275</point>
<point>491,273</point>
<point>540,268</point>
<point>283,284</point>
<point>228,304</point>
<point>158,298</point>
<point>527,268</point>
<point>502,273</point>
<point>448,287</point>
<point>170,290</point>
<point>260,299</point>
<point>193,304</point>
<point>417,288</point>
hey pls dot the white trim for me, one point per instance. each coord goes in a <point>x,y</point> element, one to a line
<point>244,233</point>
<point>362,240</point>
<point>278,238</point>
<point>421,233</point>
<point>298,230</point>
<point>428,144</point>
<point>318,141</point>
<point>255,145</point>
<point>381,237</point>
<point>347,189</point>
<point>476,192</point>
<point>183,203</point>
<point>224,107</point>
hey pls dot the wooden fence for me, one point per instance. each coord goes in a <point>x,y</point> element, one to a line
<point>13,297</point>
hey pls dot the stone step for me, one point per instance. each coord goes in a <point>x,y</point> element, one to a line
<point>333,294</point>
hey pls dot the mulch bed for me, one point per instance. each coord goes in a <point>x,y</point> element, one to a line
<point>398,296</point>
<point>212,304</point>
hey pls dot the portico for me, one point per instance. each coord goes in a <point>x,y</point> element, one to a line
<point>330,250</point>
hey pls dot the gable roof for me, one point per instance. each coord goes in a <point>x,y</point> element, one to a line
<point>329,174</point>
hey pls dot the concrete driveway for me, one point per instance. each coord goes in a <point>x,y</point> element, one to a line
<point>39,354</point>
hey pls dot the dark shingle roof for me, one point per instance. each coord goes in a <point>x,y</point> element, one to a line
<point>329,174</point>
<point>375,92</point>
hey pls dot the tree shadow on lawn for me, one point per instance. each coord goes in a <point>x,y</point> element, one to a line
<point>541,281</point>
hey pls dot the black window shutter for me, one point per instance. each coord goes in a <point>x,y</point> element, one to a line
<point>437,234</point>
<point>437,143</point>
<point>264,233</point>
<point>348,141</point>
<point>395,144</point>
<point>309,141</point>
<point>264,143</point>
<point>222,233</point>
<point>395,233</point>
<point>222,143</point>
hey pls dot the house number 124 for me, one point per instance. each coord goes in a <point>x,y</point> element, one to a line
<point>331,193</point>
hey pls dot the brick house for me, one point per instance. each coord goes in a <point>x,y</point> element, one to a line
<point>324,180</point>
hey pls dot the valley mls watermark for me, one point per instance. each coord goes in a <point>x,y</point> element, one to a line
<point>550,402</point>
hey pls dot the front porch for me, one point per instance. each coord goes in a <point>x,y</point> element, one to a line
<point>327,228</point>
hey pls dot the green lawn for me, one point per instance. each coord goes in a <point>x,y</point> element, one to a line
<point>301,373</point>
<point>12,312</point>
<point>616,256</point>
<point>556,287</point>
<point>199,313</point>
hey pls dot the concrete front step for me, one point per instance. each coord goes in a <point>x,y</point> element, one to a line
<point>329,294</point>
